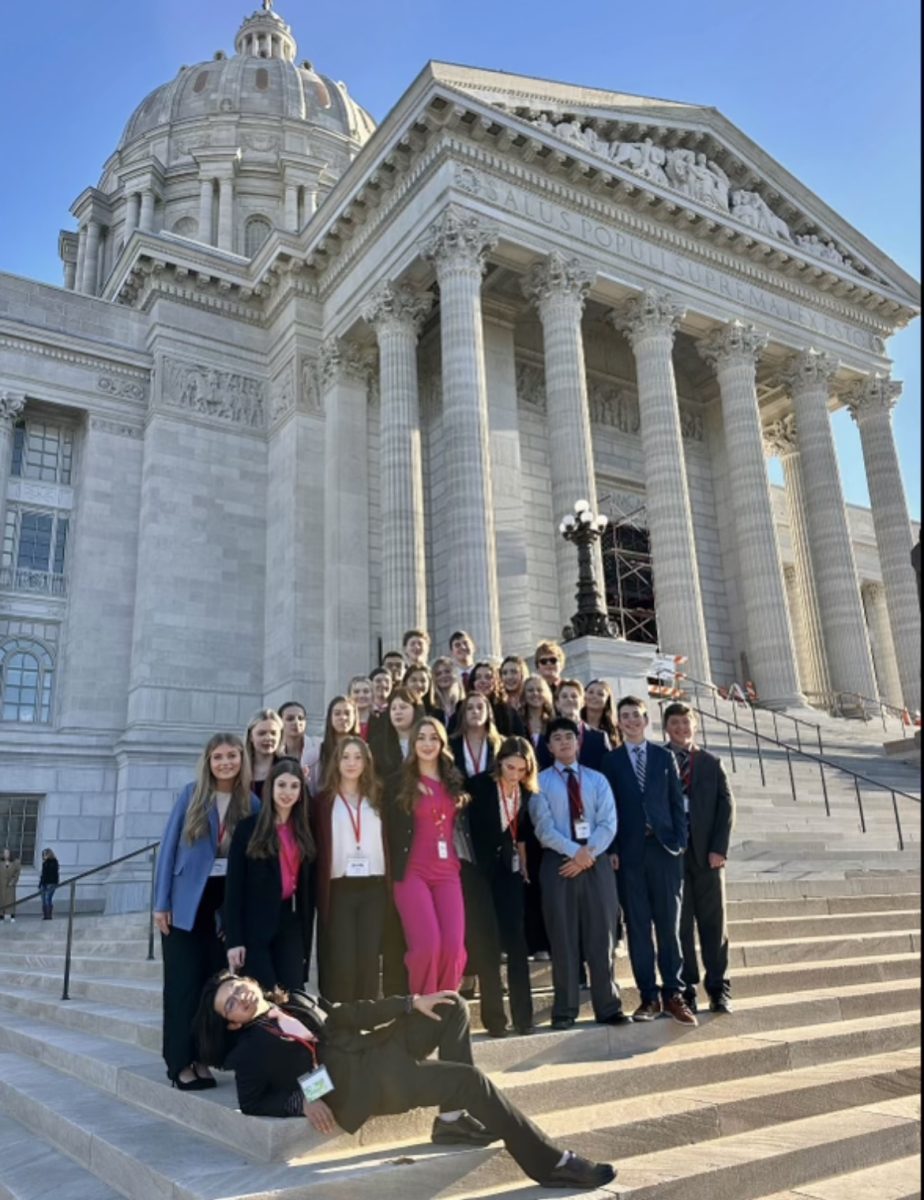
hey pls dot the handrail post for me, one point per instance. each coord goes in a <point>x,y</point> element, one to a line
<point>824,787</point>
<point>798,734</point>
<point>882,713</point>
<point>856,784</point>
<point>151,906</point>
<point>898,824</point>
<point>731,750</point>
<point>776,726</point>
<point>792,778</point>
<point>70,941</point>
<point>760,761</point>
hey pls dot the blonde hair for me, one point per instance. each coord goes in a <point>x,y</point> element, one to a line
<point>548,701</point>
<point>263,714</point>
<point>196,824</point>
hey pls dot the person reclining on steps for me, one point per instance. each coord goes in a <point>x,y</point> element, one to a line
<point>340,1064</point>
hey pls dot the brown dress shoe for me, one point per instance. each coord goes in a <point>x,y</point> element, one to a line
<point>647,1010</point>
<point>678,1009</point>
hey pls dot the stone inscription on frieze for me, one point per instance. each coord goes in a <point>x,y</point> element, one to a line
<point>603,236</point>
<point>210,392</point>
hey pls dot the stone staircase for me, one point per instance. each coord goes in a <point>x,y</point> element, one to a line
<point>809,1090</point>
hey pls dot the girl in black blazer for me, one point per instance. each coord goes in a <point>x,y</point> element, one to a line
<point>269,893</point>
<point>485,679</point>
<point>476,742</point>
<point>501,829</point>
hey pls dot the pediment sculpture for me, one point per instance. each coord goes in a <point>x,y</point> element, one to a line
<point>692,174</point>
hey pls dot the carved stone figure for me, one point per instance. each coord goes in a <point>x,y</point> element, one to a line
<point>751,209</point>
<point>644,158</point>
<point>827,251</point>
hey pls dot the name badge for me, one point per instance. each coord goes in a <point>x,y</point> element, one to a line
<point>358,867</point>
<point>219,868</point>
<point>515,863</point>
<point>315,1084</point>
<point>442,849</point>
<point>582,830</point>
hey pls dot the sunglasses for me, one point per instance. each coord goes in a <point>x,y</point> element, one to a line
<point>548,662</point>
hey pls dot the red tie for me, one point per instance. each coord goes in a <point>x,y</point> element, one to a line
<point>574,796</point>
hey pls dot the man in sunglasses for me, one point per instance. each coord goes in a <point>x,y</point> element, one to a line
<point>550,662</point>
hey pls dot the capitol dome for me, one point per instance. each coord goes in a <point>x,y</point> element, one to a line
<point>222,154</point>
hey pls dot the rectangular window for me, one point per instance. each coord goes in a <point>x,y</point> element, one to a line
<point>35,540</point>
<point>19,826</point>
<point>42,451</point>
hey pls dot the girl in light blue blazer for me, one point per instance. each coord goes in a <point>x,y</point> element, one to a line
<point>189,891</point>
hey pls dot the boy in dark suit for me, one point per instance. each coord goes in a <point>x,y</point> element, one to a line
<point>648,855</point>
<point>295,1056</point>
<point>711,816</point>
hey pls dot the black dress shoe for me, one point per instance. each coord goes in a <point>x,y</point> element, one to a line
<point>580,1173</point>
<point>689,998</point>
<point>720,1004</point>
<point>463,1131</point>
<point>616,1018</point>
<point>500,1032</point>
<point>562,1022</point>
<point>524,1030</point>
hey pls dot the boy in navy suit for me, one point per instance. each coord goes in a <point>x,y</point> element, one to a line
<point>648,855</point>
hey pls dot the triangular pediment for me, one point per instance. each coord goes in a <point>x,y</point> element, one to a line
<point>693,156</point>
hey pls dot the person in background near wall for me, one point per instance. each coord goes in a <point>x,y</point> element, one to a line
<point>426,829</point>
<point>419,682</point>
<point>711,815</point>
<point>351,885</point>
<point>500,825</point>
<point>574,816</point>
<point>393,662</point>
<point>296,743</point>
<point>447,692</point>
<point>485,679</point>
<point>269,893</point>
<point>550,662</point>
<point>599,711</point>
<point>416,647</point>
<point>538,710</point>
<point>647,853</point>
<point>189,892</point>
<point>382,685</point>
<point>462,652</point>
<point>340,721</point>
<point>359,691</point>
<point>10,868</point>
<point>48,882</point>
<point>262,742</point>
<point>514,672</point>
<point>592,743</point>
<point>477,740</point>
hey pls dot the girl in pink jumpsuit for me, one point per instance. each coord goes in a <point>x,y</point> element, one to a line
<point>423,820</point>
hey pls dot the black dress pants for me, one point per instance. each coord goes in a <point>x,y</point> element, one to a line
<point>350,944</point>
<point>190,957</point>
<point>505,893</point>
<point>404,1081</point>
<point>280,962</point>
<point>704,906</point>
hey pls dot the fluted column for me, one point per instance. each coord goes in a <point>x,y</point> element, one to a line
<point>871,402</point>
<point>650,321</point>
<point>456,244</point>
<point>206,188</point>
<point>558,287</point>
<point>344,369</point>
<point>808,376</point>
<point>146,219</point>
<point>132,213</point>
<point>782,442</point>
<point>91,258</point>
<point>226,213</point>
<point>11,406</point>
<point>888,671</point>
<point>292,207</point>
<point>396,314</point>
<point>733,351</point>
<point>81,257</point>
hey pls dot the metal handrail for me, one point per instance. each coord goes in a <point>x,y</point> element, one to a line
<point>818,759</point>
<point>72,884</point>
<point>883,706</point>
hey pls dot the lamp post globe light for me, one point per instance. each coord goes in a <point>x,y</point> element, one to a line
<point>584,528</point>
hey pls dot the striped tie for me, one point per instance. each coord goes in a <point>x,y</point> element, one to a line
<point>638,762</point>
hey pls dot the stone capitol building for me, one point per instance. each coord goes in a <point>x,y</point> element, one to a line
<point>310,382</point>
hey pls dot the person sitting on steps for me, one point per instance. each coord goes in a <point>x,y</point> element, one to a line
<point>339,1065</point>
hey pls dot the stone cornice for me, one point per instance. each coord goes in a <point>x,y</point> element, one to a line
<point>152,278</point>
<point>63,349</point>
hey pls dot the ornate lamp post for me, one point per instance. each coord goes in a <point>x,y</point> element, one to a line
<point>584,527</point>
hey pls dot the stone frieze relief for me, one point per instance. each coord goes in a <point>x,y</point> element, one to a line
<point>211,392</point>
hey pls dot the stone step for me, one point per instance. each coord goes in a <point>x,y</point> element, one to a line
<point>896,1180</point>
<point>33,1170</point>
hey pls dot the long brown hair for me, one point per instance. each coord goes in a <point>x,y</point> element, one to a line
<point>491,736</point>
<point>368,783</point>
<point>196,824</point>
<point>518,747</point>
<point>331,738</point>
<point>264,841</point>
<point>449,773</point>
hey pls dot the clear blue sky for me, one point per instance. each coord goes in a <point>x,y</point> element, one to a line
<point>830,88</point>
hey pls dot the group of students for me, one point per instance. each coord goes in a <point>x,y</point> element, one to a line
<point>446,818</point>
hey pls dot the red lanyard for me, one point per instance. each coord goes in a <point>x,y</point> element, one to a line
<point>482,755</point>
<point>309,1043</point>
<point>513,820</point>
<point>358,823</point>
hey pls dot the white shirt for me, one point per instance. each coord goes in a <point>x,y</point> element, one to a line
<point>343,838</point>
<point>507,810</point>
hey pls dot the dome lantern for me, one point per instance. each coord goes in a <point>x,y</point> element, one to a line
<point>264,34</point>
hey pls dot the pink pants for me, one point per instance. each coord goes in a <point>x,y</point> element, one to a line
<point>433,916</point>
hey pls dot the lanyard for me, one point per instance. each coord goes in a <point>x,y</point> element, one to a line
<point>513,819</point>
<point>479,763</point>
<point>309,1043</point>
<point>358,823</point>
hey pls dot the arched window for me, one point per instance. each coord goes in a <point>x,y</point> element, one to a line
<point>26,681</point>
<point>256,231</point>
<point>186,227</point>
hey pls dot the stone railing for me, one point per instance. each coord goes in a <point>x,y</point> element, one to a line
<point>25,579</point>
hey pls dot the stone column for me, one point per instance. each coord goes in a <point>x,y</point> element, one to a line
<point>291,192</point>
<point>850,665</point>
<point>733,351</point>
<point>70,275</point>
<point>649,321</point>
<point>888,670</point>
<point>206,188</point>
<point>396,313</point>
<point>344,377</point>
<point>796,620</point>
<point>11,406</point>
<point>226,213</point>
<point>132,214</point>
<point>91,258</point>
<point>456,244</point>
<point>146,220</point>
<point>81,257</point>
<point>810,644</point>
<point>558,287</point>
<point>871,402</point>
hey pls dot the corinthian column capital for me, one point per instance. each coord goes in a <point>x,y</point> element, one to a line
<point>558,276</point>
<point>395,307</point>
<point>11,405</point>
<point>780,440</point>
<point>458,240</point>
<point>339,358</point>
<point>873,396</point>
<point>648,314</point>
<point>734,342</point>
<point>808,369</point>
